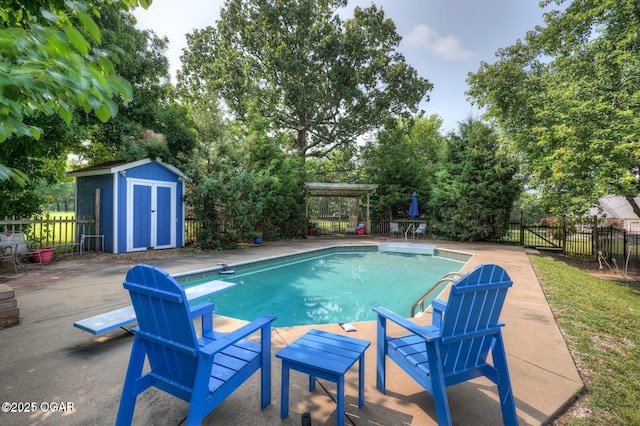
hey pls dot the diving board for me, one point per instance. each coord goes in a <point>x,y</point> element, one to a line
<point>122,317</point>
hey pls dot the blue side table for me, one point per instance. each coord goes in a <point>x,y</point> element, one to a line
<point>324,355</point>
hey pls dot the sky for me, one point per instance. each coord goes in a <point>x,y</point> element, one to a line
<point>443,40</point>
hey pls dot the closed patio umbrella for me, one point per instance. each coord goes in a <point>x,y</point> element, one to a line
<point>413,211</point>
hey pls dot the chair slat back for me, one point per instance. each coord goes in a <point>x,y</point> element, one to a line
<point>20,242</point>
<point>164,323</point>
<point>471,319</point>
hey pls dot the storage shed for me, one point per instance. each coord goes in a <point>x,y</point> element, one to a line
<point>136,205</point>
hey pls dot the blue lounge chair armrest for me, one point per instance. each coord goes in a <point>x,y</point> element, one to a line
<point>205,311</point>
<point>439,306</point>
<point>202,309</point>
<point>429,332</point>
<point>231,338</point>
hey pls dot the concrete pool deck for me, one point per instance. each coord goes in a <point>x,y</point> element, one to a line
<point>45,359</point>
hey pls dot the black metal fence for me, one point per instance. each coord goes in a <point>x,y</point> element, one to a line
<point>191,228</point>
<point>611,244</point>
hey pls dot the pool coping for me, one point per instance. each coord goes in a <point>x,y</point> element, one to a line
<point>337,248</point>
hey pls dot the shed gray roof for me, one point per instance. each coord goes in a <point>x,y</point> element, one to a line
<point>112,167</point>
<point>339,189</point>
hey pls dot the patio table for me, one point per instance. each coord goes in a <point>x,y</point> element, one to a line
<point>325,355</point>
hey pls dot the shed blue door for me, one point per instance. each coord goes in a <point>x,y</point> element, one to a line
<point>141,216</point>
<point>163,217</point>
<point>151,215</point>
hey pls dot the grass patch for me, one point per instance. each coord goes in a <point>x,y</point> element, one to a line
<point>600,320</point>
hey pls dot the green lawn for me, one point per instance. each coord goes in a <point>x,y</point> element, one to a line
<point>600,320</point>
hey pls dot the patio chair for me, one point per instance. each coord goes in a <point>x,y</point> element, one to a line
<point>454,348</point>
<point>420,230</point>
<point>7,251</point>
<point>394,229</point>
<point>352,227</point>
<point>202,371</point>
<point>18,250</point>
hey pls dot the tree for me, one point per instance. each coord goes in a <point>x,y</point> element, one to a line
<point>325,80</point>
<point>52,63</point>
<point>568,97</point>
<point>242,181</point>
<point>45,160</point>
<point>475,189</point>
<point>283,200</point>
<point>49,66</point>
<point>403,159</point>
<point>151,123</point>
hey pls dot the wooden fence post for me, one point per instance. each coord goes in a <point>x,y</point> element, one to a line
<point>96,212</point>
<point>564,234</point>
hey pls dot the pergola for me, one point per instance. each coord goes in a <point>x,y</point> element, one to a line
<point>345,190</point>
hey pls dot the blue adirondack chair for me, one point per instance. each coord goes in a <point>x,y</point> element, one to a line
<point>454,348</point>
<point>202,371</point>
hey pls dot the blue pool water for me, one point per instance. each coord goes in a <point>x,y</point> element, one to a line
<point>331,288</point>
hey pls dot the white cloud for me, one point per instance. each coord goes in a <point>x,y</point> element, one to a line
<point>448,48</point>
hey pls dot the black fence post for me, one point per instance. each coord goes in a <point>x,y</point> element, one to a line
<point>521,229</point>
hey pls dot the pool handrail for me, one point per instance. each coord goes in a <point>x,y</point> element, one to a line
<point>449,277</point>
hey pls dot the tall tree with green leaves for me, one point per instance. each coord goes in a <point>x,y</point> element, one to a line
<point>325,80</point>
<point>52,62</point>
<point>568,97</point>
<point>283,199</point>
<point>243,182</point>
<point>45,160</point>
<point>475,189</point>
<point>402,159</point>
<point>151,123</point>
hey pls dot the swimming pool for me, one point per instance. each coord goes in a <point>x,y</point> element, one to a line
<point>330,286</point>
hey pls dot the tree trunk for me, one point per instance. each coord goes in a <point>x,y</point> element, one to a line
<point>301,143</point>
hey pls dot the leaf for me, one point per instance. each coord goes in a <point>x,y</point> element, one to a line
<point>65,114</point>
<point>14,174</point>
<point>123,87</point>
<point>77,39</point>
<point>74,5</point>
<point>49,16</point>
<point>106,65</point>
<point>91,26</point>
<point>103,113</point>
<point>95,102</point>
<point>36,132</point>
<point>99,79</point>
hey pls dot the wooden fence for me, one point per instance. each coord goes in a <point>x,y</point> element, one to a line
<point>59,232</point>
<point>64,233</point>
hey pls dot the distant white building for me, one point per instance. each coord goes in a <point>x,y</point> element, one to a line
<point>615,210</point>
